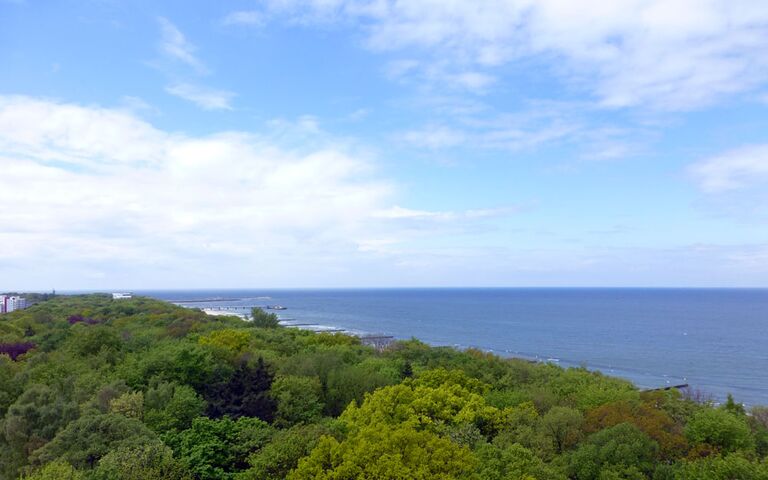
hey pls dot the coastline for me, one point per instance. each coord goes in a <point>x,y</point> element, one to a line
<point>653,337</point>
<point>374,340</point>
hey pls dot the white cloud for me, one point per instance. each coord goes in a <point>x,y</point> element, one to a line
<point>670,54</point>
<point>96,193</point>
<point>435,137</point>
<point>400,213</point>
<point>737,169</point>
<point>535,124</point>
<point>91,138</point>
<point>98,184</point>
<point>244,17</point>
<point>175,45</point>
<point>204,97</point>
<point>473,81</point>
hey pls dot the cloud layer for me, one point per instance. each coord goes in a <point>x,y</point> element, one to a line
<point>670,54</point>
<point>91,184</point>
<point>105,193</point>
<point>733,170</point>
<point>175,45</point>
<point>203,97</point>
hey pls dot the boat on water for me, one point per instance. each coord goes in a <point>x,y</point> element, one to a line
<point>276,307</point>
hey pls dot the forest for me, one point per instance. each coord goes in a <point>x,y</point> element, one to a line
<point>103,389</point>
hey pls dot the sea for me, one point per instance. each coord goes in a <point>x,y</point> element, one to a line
<point>715,340</point>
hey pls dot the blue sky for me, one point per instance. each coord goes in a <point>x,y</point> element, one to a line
<point>333,143</point>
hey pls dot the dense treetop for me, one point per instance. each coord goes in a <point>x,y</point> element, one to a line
<point>95,388</point>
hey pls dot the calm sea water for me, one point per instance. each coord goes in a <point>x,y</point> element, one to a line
<point>716,340</point>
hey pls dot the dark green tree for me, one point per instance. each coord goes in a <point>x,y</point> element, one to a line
<point>245,394</point>
<point>35,417</point>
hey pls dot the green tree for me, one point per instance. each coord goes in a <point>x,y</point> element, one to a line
<point>587,390</point>
<point>562,425</point>
<point>245,393</point>
<point>513,462</point>
<point>350,383</point>
<point>91,339</point>
<point>653,421</point>
<point>282,454</point>
<point>622,451</point>
<point>10,384</point>
<point>730,467</point>
<point>298,399</point>
<point>758,422</point>
<point>217,449</point>
<point>720,429</point>
<point>173,361</point>
<point>129,404</point>
<point>86,440</point>
<point>424,407</point>
<point>230,341</point>
<point>58,470</point>
<point>262,319</point>
<point>731,406</point>
<point>147,462</point>
<point>386,453</point>
<point>170,406</point>
<point>35,417</point>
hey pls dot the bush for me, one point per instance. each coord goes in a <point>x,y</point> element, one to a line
<point>720,429</point>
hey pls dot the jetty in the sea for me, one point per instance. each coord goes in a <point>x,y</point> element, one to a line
<point>680,386</point>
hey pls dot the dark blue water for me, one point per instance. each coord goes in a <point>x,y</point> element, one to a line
<point>716,340</point>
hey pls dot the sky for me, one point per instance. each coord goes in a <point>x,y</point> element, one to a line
<point>383,143</point>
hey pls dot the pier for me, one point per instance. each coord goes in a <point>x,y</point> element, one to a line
<point>249,308</point>
<point>669,387</point>
<point>207,300</point>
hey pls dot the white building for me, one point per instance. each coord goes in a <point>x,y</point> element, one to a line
<point>10,303</point>
<point>120,296</point>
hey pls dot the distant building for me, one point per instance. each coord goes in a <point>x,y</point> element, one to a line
<point>379,342</point>
<point>10,303</point>
<point>121,296</point>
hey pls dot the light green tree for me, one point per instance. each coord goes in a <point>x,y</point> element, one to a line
<point>147,462</point>
<point>58,470</point>
<point>721,429</point>
<point>716,467</point>
<point>386,453</point>
<point>129,404</point>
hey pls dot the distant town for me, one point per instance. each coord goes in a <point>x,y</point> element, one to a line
<point>10,303</point>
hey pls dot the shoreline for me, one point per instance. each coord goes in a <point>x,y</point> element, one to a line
<point>640,375</point>
<point>503,354</point>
